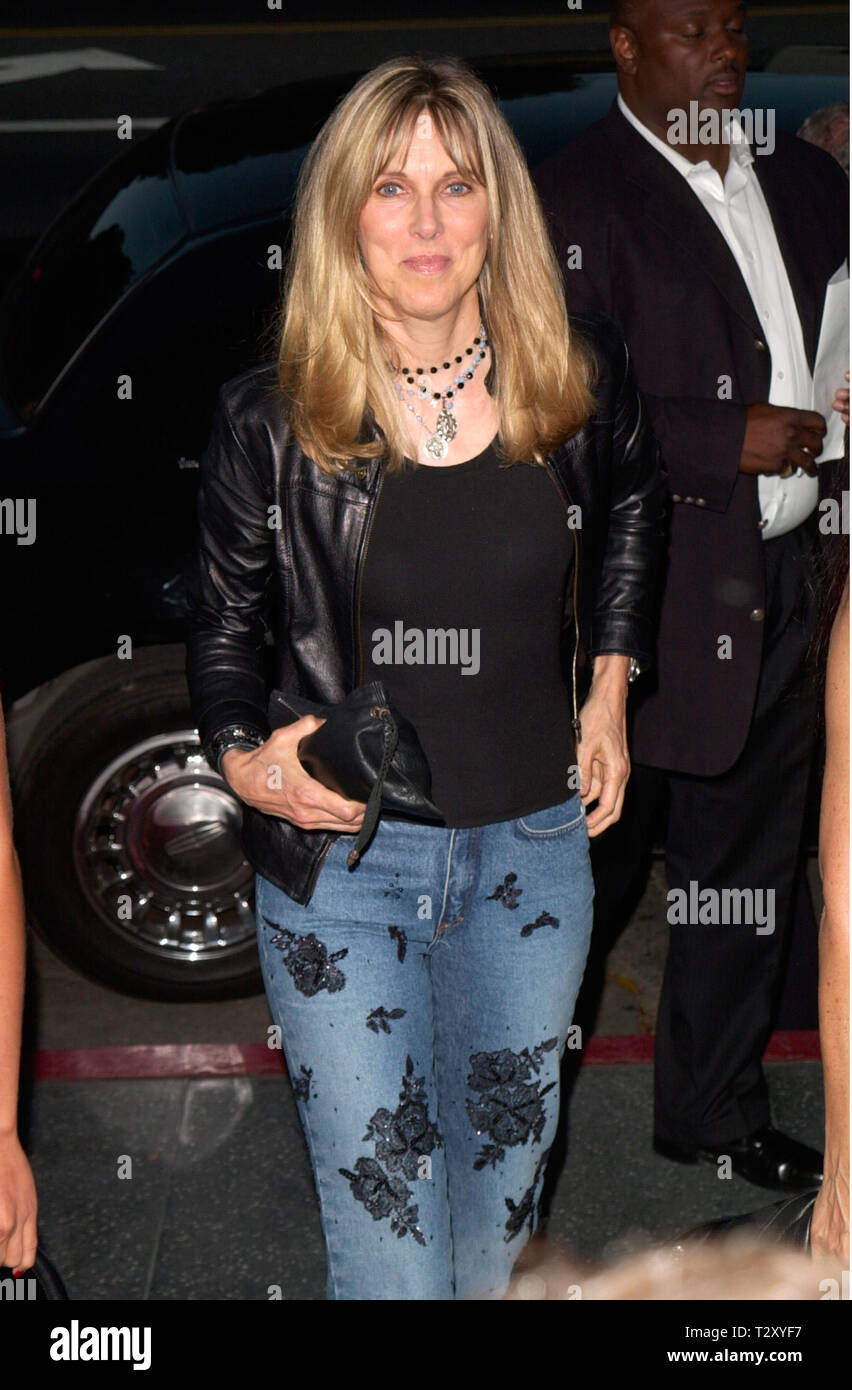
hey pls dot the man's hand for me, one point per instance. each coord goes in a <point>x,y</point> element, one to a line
<point>603,758</point>
<point>779,440</point>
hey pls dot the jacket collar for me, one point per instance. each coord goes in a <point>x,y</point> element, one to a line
<point>670,203</point>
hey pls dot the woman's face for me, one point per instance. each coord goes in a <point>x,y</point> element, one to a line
<point>423,230</point>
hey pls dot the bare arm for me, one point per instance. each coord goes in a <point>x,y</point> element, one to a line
<point>17,1188</point>
<point>602,752</point>
<point>830,1227</point>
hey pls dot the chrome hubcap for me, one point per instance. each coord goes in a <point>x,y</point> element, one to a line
<point>158,855</point>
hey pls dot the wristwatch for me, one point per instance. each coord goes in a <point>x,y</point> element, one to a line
<point>232,736</point>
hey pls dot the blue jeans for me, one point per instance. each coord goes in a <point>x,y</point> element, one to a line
<point>424,999</point>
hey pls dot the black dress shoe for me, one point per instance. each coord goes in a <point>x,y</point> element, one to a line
<point>767,1158</point>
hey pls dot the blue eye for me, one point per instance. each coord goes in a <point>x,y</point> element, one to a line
<point>382,186</point>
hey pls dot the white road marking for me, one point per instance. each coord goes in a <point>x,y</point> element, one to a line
<point>26,66</point>
<point>108,123</point>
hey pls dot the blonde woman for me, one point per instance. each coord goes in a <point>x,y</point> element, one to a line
<point>440,485</point>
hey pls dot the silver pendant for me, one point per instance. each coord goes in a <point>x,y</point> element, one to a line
<point>446,425</point>
<point>436,446</point>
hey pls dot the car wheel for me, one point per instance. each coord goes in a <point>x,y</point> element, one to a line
<point>130,842</point>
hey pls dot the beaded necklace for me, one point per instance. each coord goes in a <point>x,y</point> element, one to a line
<point>446,425</point>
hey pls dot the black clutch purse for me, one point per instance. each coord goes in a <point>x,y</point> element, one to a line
<point>365,751</point>
<point>42,1283</point>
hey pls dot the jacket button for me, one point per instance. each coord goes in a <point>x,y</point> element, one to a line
<point>362,472</point>
<point>757,615</point>
<point>689,499</point>
<point>760,345</point>
<point>701,502</point>
<point>676,497</point>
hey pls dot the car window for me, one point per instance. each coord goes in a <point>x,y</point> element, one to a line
<point>116,230</point>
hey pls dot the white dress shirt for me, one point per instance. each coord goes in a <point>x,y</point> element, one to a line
<point>738,208</point>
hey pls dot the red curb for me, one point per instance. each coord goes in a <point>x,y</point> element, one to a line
<point>617,1049</point>
<point>793,1047</point>
<point>164,1060</point>
<point>256,1059</point>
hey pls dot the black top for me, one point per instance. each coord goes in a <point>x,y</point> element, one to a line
<point>462,595</point>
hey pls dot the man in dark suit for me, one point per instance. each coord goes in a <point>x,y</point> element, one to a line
<point>714,260</point>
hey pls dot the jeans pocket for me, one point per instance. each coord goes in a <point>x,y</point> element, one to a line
<point>552,821</point>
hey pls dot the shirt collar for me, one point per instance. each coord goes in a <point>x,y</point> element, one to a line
<point>703,172</point>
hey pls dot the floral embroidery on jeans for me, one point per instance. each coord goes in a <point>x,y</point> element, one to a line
<point>506,893</point>
<point>308,961</point>
<point>378,1019</point>
<point>302,1084</point>
<point>544,919</point>
<point>509,1107</point>
<point>403,1137</point>
<point>384,1196</point>
<point>524,1211</point>
<point>398,935</point>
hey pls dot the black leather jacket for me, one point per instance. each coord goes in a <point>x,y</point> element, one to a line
<point>281,548</point>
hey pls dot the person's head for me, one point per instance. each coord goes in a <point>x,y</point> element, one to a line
<point>829,129</point>
<point>738,1265</point>
<point>414,199</point>
<point>423,231</point>
<point>673,52</point>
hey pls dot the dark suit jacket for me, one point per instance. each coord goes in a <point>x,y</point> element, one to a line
<point>654,260</point>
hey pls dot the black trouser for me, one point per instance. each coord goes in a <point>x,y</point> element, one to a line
<point>739,830</point>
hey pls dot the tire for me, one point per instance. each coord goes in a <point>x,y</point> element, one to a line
<point>46,1278</point>
<point>129,841</point>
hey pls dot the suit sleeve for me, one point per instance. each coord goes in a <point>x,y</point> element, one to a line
<point>702,443</point>
<point>228,589</point>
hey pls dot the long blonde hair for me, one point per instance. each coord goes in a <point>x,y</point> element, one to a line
<point>332,352</point>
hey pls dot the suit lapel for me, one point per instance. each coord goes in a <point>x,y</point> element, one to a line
<point>787,215</point>
<point>668,200</point>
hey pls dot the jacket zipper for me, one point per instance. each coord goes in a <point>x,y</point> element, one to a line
<point>360,662</point>
<point>361,562</point>
<point>575,722</point>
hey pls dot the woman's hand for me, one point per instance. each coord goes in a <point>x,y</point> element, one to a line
<point>830,1221</point>
<point>18,1205</point>
<point>602,753</point>
<point>272,779</point>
